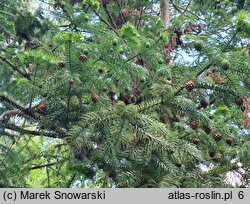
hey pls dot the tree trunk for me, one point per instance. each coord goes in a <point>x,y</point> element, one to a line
<point>165,13</point>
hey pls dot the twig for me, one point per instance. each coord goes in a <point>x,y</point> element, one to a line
<point>204,69</point>
<point>2,49</point>
<point>139,20</point>
<point>68,101</point>
<point>179,9</point>
<point>189,3</point>
<point>60,145</point>
<point>42,166</point>
<point>47,172</point>
<point>231,39</point>
<point>132,57</point>
<point>109,16</point>
<point>161,79</point>
<point>31,98</point>
<point>120,7</point>
<point>106,23</point>
<point>71,180</point>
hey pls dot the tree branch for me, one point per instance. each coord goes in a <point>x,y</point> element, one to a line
<point>42,166</point>
<point>26,111</point>
<point>179,9</point>
<point>140,18</point>
<point>19,113</point>
<point>71,180</point>
<point>30,132</point>
<point>109,16</point>
<point>120,8</point>
<point>15,68</point>
<point>106,23</point>
<point>189,3</point>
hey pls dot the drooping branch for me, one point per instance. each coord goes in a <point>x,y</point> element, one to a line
<point>30,132</point>
<point>29,113</point>
<point>14,67</point>
<point>8,114</point>
<point>26,111</point>
<point>6,99</point>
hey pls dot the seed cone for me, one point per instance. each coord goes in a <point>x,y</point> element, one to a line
<point>189,85</point>
<point>217,137</point>
<point>193,124</point>
<point>207,129</point>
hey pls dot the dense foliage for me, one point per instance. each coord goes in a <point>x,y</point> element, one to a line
<point>103,93</point>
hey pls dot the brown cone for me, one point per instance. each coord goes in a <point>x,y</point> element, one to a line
<point>83,57</point>
<point>217,137</point>
<point>94,98</point>
<point>229,140</point>
<point>193,124</point>
<point>189,85</point>
<point>239,101</point>
<point>61,64</point>
<point>207,129</point>
<point>203,103</point>
<point>196,141</point>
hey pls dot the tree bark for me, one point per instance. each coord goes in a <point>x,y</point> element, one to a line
<point>165,13</point>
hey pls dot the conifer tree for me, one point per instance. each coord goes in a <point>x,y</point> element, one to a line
<point>104,93</point>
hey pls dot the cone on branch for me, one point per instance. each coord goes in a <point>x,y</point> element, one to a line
<point>217,137</point>
<point>125,98</point>
<point>45,94</point>
<point>189,85</point>
<point>111,94</point>
<point>204,103</point>
<point>75,1</point>
<point>111,174</point>
<point>61,64</point>
<point>83,57</point>
<point>193,124</point>
<point>239,101</point>
<point>72,82</point>
<point>115,42</point>
<point>225,64</point>
<point>79,153</point>
<point>212,154</point>
<point>41,107</point>
<point>196,141</point>
<point>100,165</point>
<point>207,129</point>
<point>101,70</point>
<point>229,140</point>
<point>94,97</point>
<point>217,77</point>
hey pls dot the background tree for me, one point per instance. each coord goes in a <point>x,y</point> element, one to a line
<point>109,94</point>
